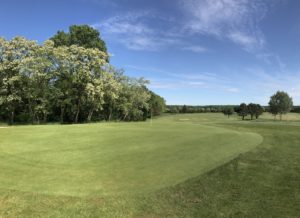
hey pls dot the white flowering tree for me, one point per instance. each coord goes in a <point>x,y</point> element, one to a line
<point>12,53</point>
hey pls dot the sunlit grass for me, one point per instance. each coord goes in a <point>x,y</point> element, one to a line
<point>191,165</point>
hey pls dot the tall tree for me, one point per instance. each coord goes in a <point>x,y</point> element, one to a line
<point>67,83</point>
<point>280,103</point>
<point>243,110</point>
<point>252,108</point>
<point>77,67</point>
<point>12,53</point>
<point>113,85</point>
<point>133,102</point>
<point>80,35</point>
<point>61,39</point>
<point>37,71</point>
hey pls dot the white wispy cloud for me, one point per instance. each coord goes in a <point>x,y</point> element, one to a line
<point>256,83</point>
<point>248,41</point>
<point>134,31</point>
<point>197,81</point>
<point>236,20</point>
<point>232,89</point>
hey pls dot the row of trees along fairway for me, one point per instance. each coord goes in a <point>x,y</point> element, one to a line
<point>69,79</point>
<point>174,109</point>
<point>279,104</point>
<point>254,110</point>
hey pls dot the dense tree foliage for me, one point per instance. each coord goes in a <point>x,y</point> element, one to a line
<point>194,109</point>
<point>40,83</point>
<point>80,35</point>
<point>157,104</point>
<point>258,111</point>
<point>255,110</point>
<point>296,109</point>
<point>280,103</point>
<point>228,111</point>
<point>242,110</point>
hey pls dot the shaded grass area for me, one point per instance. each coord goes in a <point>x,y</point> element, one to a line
<point>264,182</point>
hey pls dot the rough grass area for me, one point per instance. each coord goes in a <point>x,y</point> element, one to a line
<point>200,165</point>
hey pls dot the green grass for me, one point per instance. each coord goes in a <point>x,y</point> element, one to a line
<point>194,165</point>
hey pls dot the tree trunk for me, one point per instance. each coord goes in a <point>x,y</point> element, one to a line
<point>77,112</point>
<point>31,111</point>
<point>37,119</point>
<point>12,117</point>
<point>44,117</point>
<point>125,116</point>
<point>110,113</point>
<point>90,115</point>
<point>62,111</point>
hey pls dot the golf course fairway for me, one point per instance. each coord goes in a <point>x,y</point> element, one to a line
<point>114,158</point>
<point>191,165</point>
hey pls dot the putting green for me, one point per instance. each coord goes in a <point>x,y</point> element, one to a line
<point>114,158</point>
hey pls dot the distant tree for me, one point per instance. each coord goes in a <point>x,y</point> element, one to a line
<point>80,35</point>
<point>296,109</point>
<point>184,109</point>
<point>207,110</point>
<point>255,110</point>
<point>174,110</point>
<point>243,110</point>
<point>228,111</point>
<point>280,103</point>
<point>259,111</point>
<point>252,110</point>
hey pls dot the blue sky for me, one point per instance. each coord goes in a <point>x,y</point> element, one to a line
<point>195,52</point>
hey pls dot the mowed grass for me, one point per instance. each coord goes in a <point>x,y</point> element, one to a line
<point>194,165</point>
<point>113,158</point>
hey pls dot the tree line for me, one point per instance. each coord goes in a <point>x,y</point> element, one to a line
<point>174,109</point>
<point>280,103</point>
<point>254,110</point>
<point>69,79</point>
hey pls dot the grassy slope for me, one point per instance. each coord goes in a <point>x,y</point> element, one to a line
<point>263,182</point>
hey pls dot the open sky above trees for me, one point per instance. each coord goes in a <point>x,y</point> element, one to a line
<point>193,51</point>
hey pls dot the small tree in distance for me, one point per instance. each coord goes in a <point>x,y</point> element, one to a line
<point>228,111</point>
<point>259,111</point>
<point>255,110</point>
<point>184,109</point>
<point>243,110</point>
<point>280,103</point>
<point>252,110</point>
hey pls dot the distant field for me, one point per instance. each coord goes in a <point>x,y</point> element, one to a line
<point>178,165</point>
<point>285,117</point>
